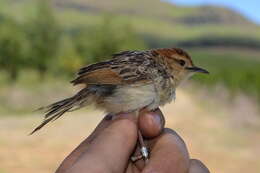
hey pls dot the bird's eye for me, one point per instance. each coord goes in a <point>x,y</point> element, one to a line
<point>182,62</point>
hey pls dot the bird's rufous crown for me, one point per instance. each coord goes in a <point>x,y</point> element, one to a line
<point>173,52</point>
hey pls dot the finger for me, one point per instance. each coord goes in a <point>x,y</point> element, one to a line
<point>168,153</point>
<point>151,123</point>
<point>196,166</point>
<point>110,150</point>
<point>75,154</point>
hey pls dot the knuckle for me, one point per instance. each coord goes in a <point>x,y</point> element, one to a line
<point>170,131</point>
<point>197,166</point>
<point>175,140</point>
<point>172,134</point>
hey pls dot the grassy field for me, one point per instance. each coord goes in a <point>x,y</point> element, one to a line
<point>237,69</point>
<point>223,134</point>
<point>30,93</point>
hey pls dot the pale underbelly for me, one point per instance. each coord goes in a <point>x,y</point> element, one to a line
<point>129,98</point>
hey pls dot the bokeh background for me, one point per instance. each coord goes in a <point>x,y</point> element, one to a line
<point>43,43</point>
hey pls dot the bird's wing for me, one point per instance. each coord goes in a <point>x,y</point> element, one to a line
<point>125,67</point>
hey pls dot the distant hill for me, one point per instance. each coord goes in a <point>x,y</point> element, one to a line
<point>160,23</point>
<point>158,9</point>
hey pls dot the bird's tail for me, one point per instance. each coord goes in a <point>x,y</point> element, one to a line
<point>56,110</point>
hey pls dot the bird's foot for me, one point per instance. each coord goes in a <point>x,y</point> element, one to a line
<point>144,155</point>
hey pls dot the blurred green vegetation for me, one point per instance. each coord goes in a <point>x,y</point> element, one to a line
<point>41,41</point>
<point>238,70</point>
<point>43,34</point>
<point>12,48</point>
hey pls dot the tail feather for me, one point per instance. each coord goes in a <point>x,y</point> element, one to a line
<point>56,110</point>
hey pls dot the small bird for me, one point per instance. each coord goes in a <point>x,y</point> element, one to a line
<point>130,81</point>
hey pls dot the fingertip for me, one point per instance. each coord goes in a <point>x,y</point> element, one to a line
<point>127,127</point>
<point>127,122</point>
<point>151,123</point>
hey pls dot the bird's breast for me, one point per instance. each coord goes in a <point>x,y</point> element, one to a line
<point>129,98</point>
<point>166,91</point>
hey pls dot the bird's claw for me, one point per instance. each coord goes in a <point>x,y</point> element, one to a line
<point>144,155</point>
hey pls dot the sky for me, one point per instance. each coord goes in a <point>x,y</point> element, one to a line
<point>249,8</point>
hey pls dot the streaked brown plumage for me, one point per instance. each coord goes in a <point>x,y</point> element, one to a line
<point>130,81</point>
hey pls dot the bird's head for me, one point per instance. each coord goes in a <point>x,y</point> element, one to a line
<point>179,63</point>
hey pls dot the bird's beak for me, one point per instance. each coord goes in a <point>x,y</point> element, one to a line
<point>197,69</point>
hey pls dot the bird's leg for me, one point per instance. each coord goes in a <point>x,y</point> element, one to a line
<point>143,149</point>
<point>144,154</point>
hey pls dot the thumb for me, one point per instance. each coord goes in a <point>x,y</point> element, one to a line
<point>110,150</point>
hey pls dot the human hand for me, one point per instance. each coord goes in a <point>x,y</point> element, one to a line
<point>110,146</point>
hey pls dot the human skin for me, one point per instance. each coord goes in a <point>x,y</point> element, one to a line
<point>109,148</point>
